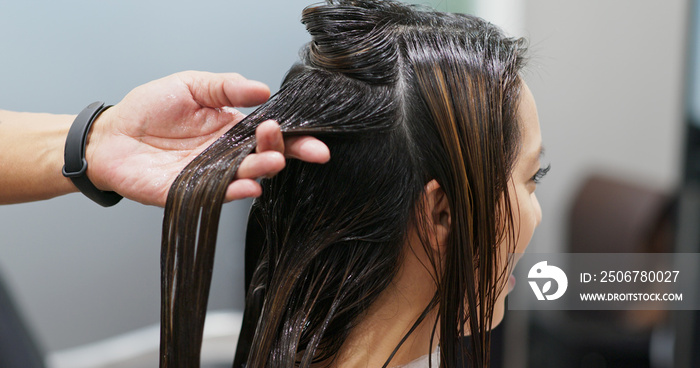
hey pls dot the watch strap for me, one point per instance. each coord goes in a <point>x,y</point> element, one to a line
<point>75,166</point>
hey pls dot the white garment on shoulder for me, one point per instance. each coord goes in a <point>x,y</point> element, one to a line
<point>422,362</point>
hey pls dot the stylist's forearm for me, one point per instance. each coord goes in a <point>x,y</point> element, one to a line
<point>31,156</point>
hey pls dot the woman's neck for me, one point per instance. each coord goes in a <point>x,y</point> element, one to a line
<point>390,318</point>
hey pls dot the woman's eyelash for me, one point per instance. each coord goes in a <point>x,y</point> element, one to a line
<point>540,174</point>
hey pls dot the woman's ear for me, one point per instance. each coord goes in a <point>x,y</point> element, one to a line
<point>438,215</point>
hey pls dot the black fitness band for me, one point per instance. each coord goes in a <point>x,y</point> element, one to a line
<point>75,166</point>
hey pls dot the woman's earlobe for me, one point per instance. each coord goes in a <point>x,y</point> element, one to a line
<point>439,214</point>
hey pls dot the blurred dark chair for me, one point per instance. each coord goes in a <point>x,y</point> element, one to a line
<point>612,216</point>
<point>18,348</point>
<point>607,216</point>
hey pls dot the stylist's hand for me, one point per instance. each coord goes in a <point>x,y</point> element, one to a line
<point>138,147</point>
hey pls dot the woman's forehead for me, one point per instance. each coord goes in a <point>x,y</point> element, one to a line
<point>531,137</point>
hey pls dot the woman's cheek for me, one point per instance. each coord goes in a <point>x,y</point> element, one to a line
<point>530,215</point>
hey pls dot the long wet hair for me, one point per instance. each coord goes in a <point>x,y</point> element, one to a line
<point>401,96</point>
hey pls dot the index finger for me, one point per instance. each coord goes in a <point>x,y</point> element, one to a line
<point>307,148</point>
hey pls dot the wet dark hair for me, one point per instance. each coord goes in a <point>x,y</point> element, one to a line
<point>401,96</point>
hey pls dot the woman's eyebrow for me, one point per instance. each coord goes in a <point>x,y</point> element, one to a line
<point>537,155</point>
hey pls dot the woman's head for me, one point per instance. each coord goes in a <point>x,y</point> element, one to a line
<point>420,112</point>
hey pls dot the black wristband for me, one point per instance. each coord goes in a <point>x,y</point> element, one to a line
<point>75,166</point>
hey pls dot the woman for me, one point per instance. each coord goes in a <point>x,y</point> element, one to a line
<point>400,243</point>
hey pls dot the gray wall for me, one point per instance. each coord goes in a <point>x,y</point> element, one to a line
<point>608,80</point>
<point>81,272</point>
